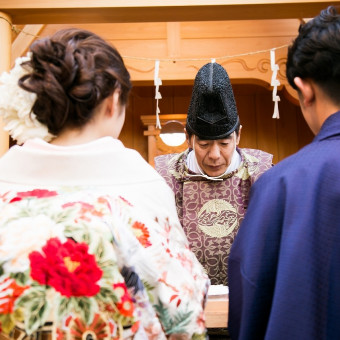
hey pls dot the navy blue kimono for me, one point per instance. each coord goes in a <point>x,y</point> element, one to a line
<point>284,265</point>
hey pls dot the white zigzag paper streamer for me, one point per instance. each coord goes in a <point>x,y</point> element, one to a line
<point>275,83</point>
<point>157,83</point>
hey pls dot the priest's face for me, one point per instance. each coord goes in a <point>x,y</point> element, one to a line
<point>214,156</point>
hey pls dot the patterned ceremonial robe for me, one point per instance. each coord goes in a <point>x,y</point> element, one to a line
<point>211,211</point>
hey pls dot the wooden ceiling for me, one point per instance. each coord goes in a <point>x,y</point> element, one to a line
<point>175,29</point>
<point>108,11</point>
<point>35,17</point>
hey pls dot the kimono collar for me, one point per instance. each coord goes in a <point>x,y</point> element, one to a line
<point>330,127</point>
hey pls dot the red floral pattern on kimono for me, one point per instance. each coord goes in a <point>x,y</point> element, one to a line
<point>67,267</point>
<point>76,264</point>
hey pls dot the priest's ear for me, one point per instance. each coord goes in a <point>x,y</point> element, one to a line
<point>238,135</point>
<point>188,139</point>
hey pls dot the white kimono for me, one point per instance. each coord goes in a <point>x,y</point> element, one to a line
<point>91,247</point>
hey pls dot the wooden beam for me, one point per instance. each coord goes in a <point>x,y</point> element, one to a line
<point>5,43</point>
<point>24,40</point>
<point>25,12</point>
<point>173,39</point>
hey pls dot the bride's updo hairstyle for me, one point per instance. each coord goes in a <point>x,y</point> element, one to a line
<point>73,71</point>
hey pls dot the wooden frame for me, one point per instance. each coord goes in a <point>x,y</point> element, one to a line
<point>95,11</point>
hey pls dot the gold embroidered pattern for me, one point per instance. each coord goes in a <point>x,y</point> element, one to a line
<point>217,218</point>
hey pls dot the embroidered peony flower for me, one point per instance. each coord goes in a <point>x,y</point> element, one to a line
<point>86,210</point>
<point>142,234</point>
<point>125,201</point>
<point>113,328</point>
<point>23,235</point>
<point>135,327</point>
<point>60,334</point>
<point>38,193</point>
<point>16,106</point>
<point>153,330</point>
<point>98,329</point>
<point>67,267</point>
<point>201,320</point>
<point>9,292</point>
<point>186,261</point>
<point>125,303</point>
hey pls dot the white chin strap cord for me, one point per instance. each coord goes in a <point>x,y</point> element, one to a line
<point>193,165</point>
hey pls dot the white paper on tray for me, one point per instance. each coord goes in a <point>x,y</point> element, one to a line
<point>217,290</point>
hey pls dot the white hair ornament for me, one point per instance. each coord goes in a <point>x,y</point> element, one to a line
<point>16,106</point>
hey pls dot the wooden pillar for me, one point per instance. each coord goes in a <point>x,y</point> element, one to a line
<point>5,62</point>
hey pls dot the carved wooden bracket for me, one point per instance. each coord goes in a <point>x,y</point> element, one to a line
<point>156,146</point>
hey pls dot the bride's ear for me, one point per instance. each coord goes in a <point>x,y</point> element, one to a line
<point>112,103</point>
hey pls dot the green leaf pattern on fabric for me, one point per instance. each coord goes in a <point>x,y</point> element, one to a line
<point>173,324</point>
<point>36,307</point>
<point>51,240</point>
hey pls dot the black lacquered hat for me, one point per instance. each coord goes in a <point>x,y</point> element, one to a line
<point>212,112</point>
